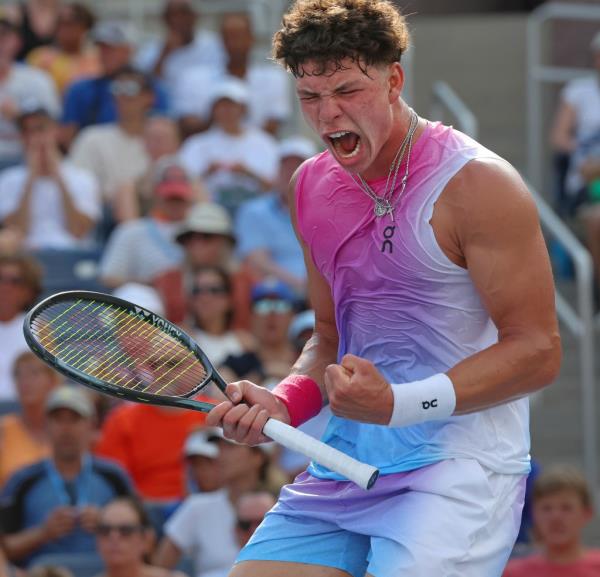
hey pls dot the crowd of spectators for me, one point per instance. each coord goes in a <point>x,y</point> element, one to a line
<point>168,158</point>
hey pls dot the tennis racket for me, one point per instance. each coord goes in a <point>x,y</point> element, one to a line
<point>121,349</point>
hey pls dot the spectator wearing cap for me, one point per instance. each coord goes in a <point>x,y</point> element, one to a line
<point>90,101</point>
<point>272,309</point>
<point>269,99</point>
<point>139,250</point>
<point>23,435</point>
<point>54,203</point>
<point>202,527</point>
<point>18,82</point>
<point>51,507</point>
<point>115,151</point>
<point>207,239</point>
<point>182,47</point>
<point>71,57</point>
<point>235,161</point>
<point>272,249</point>
<point>20,285</point>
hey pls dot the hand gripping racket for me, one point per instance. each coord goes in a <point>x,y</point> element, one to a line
<point>124,350</point>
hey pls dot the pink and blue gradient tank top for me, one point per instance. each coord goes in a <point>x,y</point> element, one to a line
<point>401,303</point>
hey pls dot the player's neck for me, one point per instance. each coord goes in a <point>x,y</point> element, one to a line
<point>569,553</point>
<point>380,168</point>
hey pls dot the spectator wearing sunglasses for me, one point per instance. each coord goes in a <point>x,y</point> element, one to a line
<point>211,315</point>
<point>20,285</point>
<point>125,540</point>
<point>115,151</point>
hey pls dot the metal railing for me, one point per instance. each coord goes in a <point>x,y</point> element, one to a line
<point>580,319</point>
<point>443,98</point>
<point>580,322</point>
<point>540,74</point>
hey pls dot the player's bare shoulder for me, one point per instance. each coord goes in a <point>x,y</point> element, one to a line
<point>486,201</point>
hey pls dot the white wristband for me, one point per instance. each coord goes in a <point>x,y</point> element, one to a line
<point>427,400</point>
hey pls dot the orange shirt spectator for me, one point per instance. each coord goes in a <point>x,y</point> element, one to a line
<point>587,566</point>
<point>19,446</point>
<point>148,442</point>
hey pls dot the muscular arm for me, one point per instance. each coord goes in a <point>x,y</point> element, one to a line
<point>485,221</point>
<point>499,236</point>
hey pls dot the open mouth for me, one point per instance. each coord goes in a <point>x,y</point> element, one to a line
<point>345,143</point>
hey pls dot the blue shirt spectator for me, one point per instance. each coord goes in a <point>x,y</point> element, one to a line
<point>52,507</point>
<point>31,493</point>
<point>275,235</point>
<point>90,101</point>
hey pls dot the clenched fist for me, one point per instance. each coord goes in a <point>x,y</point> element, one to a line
<point>357,391</point>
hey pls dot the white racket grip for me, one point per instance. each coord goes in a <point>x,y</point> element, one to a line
<point>360,473</point>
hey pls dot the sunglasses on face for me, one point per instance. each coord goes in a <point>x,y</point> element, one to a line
<point>125,88</point>
<point>268,306</point>
<point>124,530</point>
<point>12,280</point>
<point>209,290</point>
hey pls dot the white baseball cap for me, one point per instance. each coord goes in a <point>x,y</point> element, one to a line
<point>230,88</point>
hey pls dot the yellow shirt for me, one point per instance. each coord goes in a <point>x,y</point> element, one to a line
<point>65,68</point>
<point>18,448</point>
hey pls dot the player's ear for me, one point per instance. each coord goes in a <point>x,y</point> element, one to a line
<point>395,81</point>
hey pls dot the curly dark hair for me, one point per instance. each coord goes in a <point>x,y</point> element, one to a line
<point>368,32</point>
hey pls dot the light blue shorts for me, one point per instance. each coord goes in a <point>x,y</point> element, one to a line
<point>450,519</point>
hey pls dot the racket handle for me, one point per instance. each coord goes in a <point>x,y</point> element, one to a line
<point>360,473</point>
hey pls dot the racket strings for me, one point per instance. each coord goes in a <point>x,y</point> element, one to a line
<point>118,347</point>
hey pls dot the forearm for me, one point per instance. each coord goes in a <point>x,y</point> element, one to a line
<point>319,352</point>
<point>514,367</point>
<point>20,545</point>
<point>78,224</point>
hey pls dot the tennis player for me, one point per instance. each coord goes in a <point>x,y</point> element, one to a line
<point>434,320</point>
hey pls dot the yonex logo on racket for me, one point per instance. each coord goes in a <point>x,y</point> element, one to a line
<point>156,321</point>
<point>430,404</point>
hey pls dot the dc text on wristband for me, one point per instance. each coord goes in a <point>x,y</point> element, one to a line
<point>302,397</point>
<point>427,400</point>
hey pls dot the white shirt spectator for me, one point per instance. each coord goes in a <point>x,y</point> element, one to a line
<point>583,95</point>
<point>254,148</point>
<point>268,85</point>
<point>23,83</point>
<point>114,156</point>
<point>47,224</point>
<point>140,249</point>
<point>206,49</point>
<point>203,527</point>
<point>12,344</point>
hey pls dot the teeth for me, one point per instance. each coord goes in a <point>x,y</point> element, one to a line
<point>339,134</point>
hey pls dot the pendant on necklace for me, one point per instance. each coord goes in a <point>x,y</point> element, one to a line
<point>382,207</point>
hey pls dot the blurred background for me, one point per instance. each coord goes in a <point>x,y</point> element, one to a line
<point>145,147</point>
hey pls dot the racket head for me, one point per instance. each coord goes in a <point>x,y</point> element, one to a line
<point>119,348</point>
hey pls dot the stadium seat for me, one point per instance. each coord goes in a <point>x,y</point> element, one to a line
<point>70,270</point>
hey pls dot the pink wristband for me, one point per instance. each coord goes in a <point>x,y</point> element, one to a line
<point>301,396</point>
